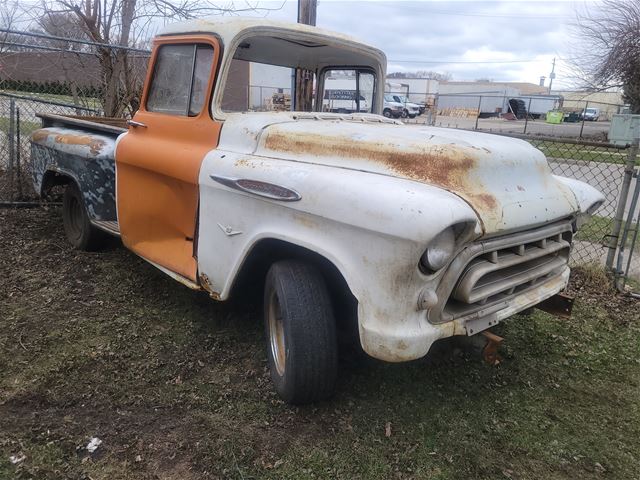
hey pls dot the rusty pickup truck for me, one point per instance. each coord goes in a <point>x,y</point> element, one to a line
<point>353,223</point>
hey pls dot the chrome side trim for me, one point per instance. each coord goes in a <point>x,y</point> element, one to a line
<point>260,188</point>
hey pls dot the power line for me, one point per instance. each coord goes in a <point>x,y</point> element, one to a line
<point>462,61</point>
<point>493,15</point>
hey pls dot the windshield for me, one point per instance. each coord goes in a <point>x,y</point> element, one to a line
<point>400,98</point>
<point>591,110</point>
<point>280,72</point>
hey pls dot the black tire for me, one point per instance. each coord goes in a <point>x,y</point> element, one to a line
<point>412,115</point>
<point>300,332</point>
<point>80,233</point>
<point>405,113</point>
<point>387,113</point>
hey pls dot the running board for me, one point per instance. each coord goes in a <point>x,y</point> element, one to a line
<point>109,226</point>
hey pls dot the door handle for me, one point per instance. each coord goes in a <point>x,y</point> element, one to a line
<point>133,123</point>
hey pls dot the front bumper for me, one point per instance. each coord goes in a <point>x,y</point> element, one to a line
<point>488,280</point>
<point>392,343</point>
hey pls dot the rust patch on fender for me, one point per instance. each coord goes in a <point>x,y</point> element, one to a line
<point>95,145</point>
<point>484,200</point>
<point>39,135</point>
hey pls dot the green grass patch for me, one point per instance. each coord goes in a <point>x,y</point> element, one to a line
<point>598,228</point>
<point>587,153</point>
<point>26,127</point>
<point>86,102</point>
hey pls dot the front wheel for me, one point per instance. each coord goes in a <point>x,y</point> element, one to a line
<point>387,113</point>
<point>405,113</point>
<point>301,333</point>
<point>77,226</point>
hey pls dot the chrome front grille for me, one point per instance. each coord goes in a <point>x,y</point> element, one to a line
<point>492,271</point>
<point>504,271</point>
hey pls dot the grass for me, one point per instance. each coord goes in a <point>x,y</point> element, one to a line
<point>176,385</point>
<point>554,150</point>
<point>598,228</point>
<point>87,102</point>
<point>26,127</point>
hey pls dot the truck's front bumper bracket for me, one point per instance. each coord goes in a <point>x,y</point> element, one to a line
<point>559,305</point>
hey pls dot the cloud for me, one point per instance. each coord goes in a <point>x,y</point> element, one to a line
<point>415,33</point>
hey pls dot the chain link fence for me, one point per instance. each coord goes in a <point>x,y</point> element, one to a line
<point>602,166</point>
<point>18,119</point>
<point>547,115</point>
<point>42,77</point>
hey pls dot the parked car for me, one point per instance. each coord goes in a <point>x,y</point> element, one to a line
<point>590,114</point>
<point>411,110</point>
<point>391,108</point>
<point>354,225</point>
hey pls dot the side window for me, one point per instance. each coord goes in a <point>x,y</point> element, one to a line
<point>180,79</point>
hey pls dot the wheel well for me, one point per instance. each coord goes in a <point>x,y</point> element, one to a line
<point>250,280</point>
<point>52,179</point>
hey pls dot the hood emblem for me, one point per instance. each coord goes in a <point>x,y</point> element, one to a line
<point>229,231</point>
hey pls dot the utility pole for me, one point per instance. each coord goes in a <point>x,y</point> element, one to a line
<point>304,78</point>
<point>307,11</point>
<point>553,74</point>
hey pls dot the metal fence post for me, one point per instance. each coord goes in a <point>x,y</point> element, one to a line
<point>11,142</point>
<point>435,109</point>
<point>18,153</point>
<point>629,170</point>
<point>479,109</point>
<point>526,116</point>
<point>586,105</point>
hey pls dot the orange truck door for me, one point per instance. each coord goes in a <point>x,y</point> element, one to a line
<point>158,160</point>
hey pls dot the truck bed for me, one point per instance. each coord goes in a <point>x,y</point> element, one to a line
<point>80,150</point>
<point>106,125</point>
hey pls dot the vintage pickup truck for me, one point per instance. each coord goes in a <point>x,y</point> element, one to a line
<point>353,222</point>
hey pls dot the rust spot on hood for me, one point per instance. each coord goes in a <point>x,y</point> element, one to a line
<point>443,165</point>
<point>448,166</point>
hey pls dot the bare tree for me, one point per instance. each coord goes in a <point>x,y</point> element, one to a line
<point>8,18</point>
<point>128,23</point>
<point>608,49</point>
<point>65,25</point>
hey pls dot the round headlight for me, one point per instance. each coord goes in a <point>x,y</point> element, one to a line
<point>440,251</point>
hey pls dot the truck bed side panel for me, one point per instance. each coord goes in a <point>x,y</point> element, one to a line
<point>88,158</point>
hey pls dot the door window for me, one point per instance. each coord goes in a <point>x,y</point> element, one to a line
<point>180,79</point>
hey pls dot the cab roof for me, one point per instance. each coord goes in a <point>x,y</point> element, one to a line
<point>228,28</point>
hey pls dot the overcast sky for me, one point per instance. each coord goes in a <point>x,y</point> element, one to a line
<point>453,32</point>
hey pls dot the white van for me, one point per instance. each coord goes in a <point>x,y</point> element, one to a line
<point>344,101</point>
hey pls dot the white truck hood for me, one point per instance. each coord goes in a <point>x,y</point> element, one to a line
<point>506,181</point>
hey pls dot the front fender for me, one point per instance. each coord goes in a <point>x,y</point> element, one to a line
<point>373,228</point>
<point>588,198</point>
